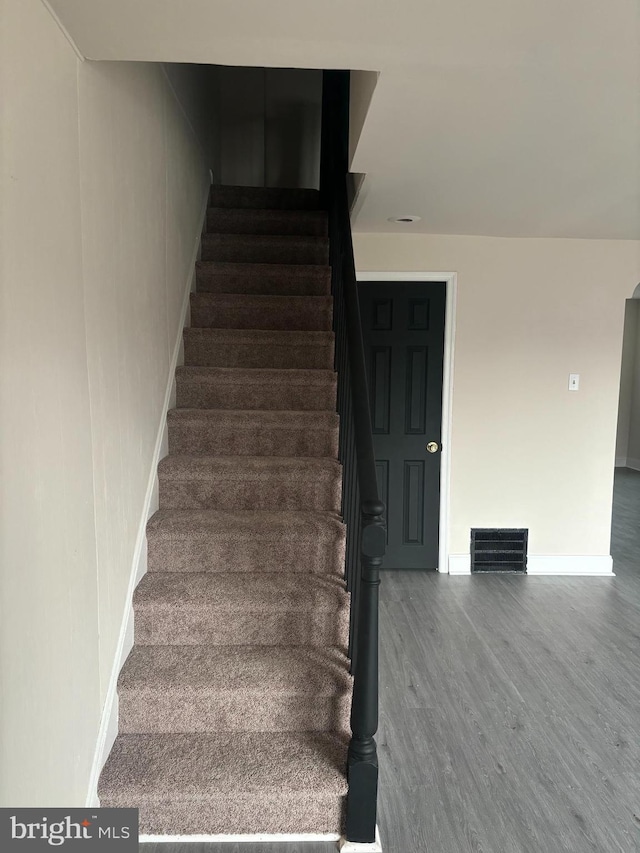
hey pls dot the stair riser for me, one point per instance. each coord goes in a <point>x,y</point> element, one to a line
<point>276,812</point>
<point>285,281</point>
<point>199,625</point>
<point>294,223</point>
<point>203,353</point>
<point>229,440</point>
<point>305,317</point>
<point>162,711</point>
<point>267,250</point>
<point>262,198</point>
<point>206,395</point>
<point>211,554</point>
<point>309,492</point>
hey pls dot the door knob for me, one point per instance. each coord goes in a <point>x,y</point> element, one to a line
<point>432,447</point>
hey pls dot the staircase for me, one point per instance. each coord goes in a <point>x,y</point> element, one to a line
<point>234,701</point>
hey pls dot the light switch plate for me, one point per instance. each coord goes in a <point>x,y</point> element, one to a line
<point>574,381</point>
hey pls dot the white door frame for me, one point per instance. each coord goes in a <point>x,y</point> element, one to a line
<point>450,278</point>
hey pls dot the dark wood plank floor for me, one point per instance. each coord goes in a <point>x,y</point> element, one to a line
<point>510,710</point>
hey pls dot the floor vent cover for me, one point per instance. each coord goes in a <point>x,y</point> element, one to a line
<point>499,549</point>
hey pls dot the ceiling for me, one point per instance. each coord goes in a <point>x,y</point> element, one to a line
<point>500,117</point>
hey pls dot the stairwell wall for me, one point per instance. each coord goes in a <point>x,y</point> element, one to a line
<point>103,182</point>
<point>628,381</point>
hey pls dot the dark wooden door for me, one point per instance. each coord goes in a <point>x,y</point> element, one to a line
<point>403,324</point>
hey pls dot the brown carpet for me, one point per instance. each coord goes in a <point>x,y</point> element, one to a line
<point>258,348</point>
<point>271,279</point>
<point>257,388</point>
<point>234,701</point>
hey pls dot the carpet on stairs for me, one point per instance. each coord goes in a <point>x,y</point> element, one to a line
<point>234,701</point>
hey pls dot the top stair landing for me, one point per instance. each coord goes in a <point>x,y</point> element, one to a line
<point>264,198</point>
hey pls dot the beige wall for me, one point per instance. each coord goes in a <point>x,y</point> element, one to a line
<point>525,451</point>
<point>628,441</point>
<point>192,87</point>
<point>362,87</point>
<point>103,182</point>
<point>633,447</point>
<point>627,380</point>
<point>49,676</point>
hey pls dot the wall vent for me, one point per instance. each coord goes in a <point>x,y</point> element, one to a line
<point>499,549</point>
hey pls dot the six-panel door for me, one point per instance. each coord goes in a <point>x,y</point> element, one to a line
<point>403,326</point>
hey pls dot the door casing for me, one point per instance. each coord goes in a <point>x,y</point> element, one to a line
<point>450,278</point>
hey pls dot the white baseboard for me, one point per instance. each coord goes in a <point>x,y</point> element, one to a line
<point>621,462</point>
<point>109,720</point>
<point>634,464</point>
<point>459,564</point>
<point>239,839</point>
<point>359,847</point>
<point>265,838</point>
<point>589,565</point>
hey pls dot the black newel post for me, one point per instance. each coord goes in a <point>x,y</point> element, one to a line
<point>366,534</point>
<point>363,757</point>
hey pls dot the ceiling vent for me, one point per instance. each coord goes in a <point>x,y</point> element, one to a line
<point>499,549</point>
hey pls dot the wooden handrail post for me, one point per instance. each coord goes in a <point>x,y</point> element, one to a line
<point>363,757</point>
<point>365,523</point>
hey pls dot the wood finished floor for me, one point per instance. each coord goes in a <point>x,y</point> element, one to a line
<point>510,710</point>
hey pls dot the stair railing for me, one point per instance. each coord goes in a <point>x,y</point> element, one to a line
<point>362,510</point>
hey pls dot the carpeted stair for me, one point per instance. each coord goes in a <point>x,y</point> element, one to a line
<point>234,701</point>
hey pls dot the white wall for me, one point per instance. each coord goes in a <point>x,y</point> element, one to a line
<point>526,452</point>
<point>103,181</point>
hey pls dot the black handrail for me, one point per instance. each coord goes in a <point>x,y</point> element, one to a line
<point>362,510</point>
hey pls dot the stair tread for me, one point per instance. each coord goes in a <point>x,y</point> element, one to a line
<point>256,388</point>
<point>243,220</point>
<point>250,348</point>
<point>213,540</point>
<point>184,767</point>
<point>186,523</point>
<point>263,375</point>
<point>266,312</point>
<point>266,239</point>
<point>254,268</point>
<point>265,248</point>
<point>192,466</point>
<point>253,670</point>
<point>254,198</point>
<point>230,592</point>
<point>267,212</point>
<point>262,336</point>
<point>272,418</point>
<point>238,300</point>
